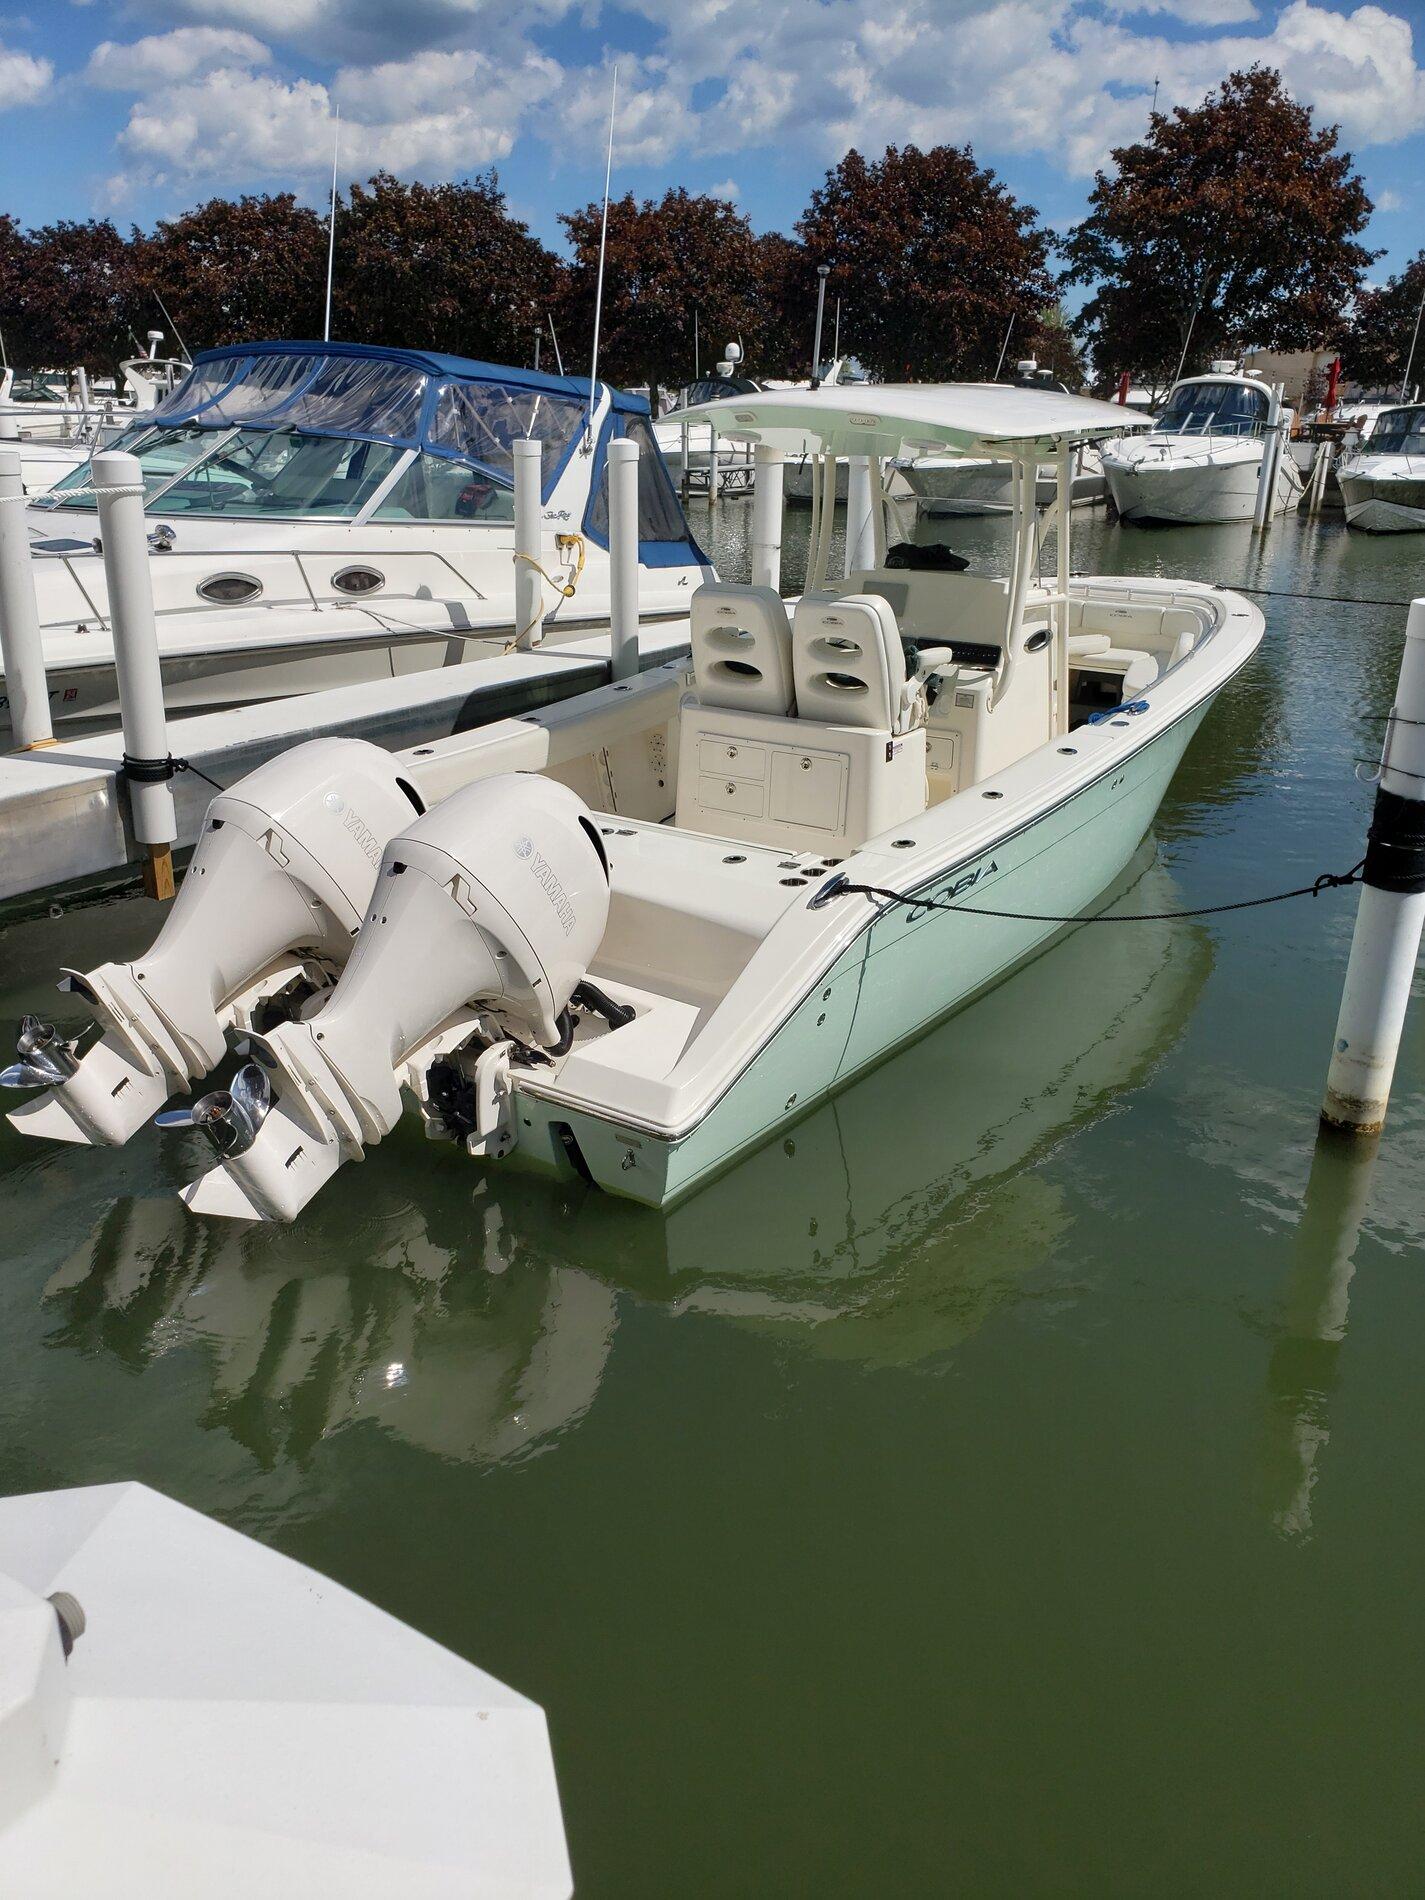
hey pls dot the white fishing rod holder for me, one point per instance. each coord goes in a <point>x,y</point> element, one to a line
<point>148,764</point>
<point>21,644</point>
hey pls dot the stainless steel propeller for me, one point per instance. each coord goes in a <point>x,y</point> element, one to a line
<point>229,1117</point>
<point>46,1058</point>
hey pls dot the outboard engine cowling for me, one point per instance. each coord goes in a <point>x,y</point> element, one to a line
<point>486,915</point>
<point>273,898</point>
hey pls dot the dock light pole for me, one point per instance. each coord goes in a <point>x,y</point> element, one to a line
<point>20,644</point>
<point>767,517</point>
<point>148,765</point>
<point>1386,941</point>
<point>529,548</point>
<point>823,271</point>
<point>623,560</point>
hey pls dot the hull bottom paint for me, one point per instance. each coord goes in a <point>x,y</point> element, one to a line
<point>904,973</point>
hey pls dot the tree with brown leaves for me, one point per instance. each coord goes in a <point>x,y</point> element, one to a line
<point>1233,224</point>
<point>933,255</point>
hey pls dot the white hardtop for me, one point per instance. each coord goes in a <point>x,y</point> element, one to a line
<point>232,1723</point>
<point>1235,378</point>
<point>909,420</point>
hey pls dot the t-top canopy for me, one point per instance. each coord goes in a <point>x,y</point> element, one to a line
<point>447,406</point>
<point>908,420</point>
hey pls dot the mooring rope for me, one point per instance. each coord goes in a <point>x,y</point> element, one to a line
<point>1328,881</point>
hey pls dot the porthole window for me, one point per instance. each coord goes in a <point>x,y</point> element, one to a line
<point>230,590</point>
<point>358,580</point>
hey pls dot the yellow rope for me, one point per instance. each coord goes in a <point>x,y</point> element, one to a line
<point>565,589</point>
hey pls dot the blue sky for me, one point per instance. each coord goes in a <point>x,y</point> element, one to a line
<point>138,108</point>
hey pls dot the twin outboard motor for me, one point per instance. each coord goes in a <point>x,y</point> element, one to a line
<point>484,919</point>
<point>265,919</point>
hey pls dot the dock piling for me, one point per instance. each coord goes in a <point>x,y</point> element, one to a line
<point>20,643</point>
<point>529,543</point>
<point>1386,940</point>
<point>148,765</point>
<point>623,559</point>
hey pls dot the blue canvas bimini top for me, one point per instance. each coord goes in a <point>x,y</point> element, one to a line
<point>447,406</point>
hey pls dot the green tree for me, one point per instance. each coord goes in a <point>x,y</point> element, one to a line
<point>236,271</point>
<point>441,267</point>
<point>686,253</point>
<point>933,256</point>
<point>76,299</point>
<point>1375,339</point>
<point>1232,224</point>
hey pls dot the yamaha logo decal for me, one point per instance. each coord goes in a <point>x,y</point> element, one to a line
<point>523,847</point>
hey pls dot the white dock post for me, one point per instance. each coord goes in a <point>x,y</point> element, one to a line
<point>712,466</point>
<point>767,518</point>
<point>529,543</point>
<point>686,484</point>
<point>623,559</point>
<point>1386,941</point>
<point>1271,456</point>
<point>118,489</point>
<point>20,643</point>
<point>860,520</point>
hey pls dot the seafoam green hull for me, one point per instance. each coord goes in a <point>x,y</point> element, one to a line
<point>905,971</point>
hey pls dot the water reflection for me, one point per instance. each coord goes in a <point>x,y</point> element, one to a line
<point>1303,1372</point>
<point>884,1229</point>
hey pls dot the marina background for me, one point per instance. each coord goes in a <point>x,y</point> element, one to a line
<point>1007,1486</point>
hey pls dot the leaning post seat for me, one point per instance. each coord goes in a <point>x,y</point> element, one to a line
<point>758,763</point>
<point>742,648</point>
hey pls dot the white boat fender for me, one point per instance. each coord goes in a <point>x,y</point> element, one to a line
<point>485,917</point>
<point>281,876</point>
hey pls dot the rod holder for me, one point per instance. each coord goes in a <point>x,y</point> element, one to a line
<point>623,560</point>
<point>1386,941</point>
<point>21,645</point>
<point>118,490</point>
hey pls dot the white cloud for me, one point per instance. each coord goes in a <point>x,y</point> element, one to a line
<point>164,59</point>
<point>1062,79</point>
<point>1389,200</point>
<point>728,189</point>
<point>23,79</point>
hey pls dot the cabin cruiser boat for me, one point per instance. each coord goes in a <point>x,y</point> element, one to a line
<point>1202,460</point>
<point>328,513</point>
<point>632,936</point>
<point>1383,481</point>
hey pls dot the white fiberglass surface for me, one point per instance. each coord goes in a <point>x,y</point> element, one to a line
<point>1399,432</point>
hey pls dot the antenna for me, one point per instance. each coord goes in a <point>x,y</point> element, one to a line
<point>1005,345</point>
<point>823,271</point>
<point>836,341</point>
<point>4,359</point>
<point>697,356</point>
<point>174,327</point>
<point>331,230</point>
<point>559,360</point>
<point>603,245</point>
<point>1410,360</point>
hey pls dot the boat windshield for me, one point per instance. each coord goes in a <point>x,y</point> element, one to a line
<point>711,387</point>
<point>1398,432</point>
<point>1213,409</point>
<point>35,388</point>
<point>268,472</point>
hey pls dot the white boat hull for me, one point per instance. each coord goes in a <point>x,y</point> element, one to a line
<point>983,488</point>
<point>901,974</point>
<point>1202,492</point>
<point>1384,504</point>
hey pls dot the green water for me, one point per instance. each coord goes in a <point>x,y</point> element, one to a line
<point>1006,1484</point>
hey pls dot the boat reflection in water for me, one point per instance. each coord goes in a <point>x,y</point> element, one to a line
<point>883,1228</point>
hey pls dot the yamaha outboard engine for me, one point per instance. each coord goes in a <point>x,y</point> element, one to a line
<point>484,920</point>
<point>274,896</point>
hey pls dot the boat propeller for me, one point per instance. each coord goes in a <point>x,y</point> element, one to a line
<point>229,1117</point>
<point>46,1059</point>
